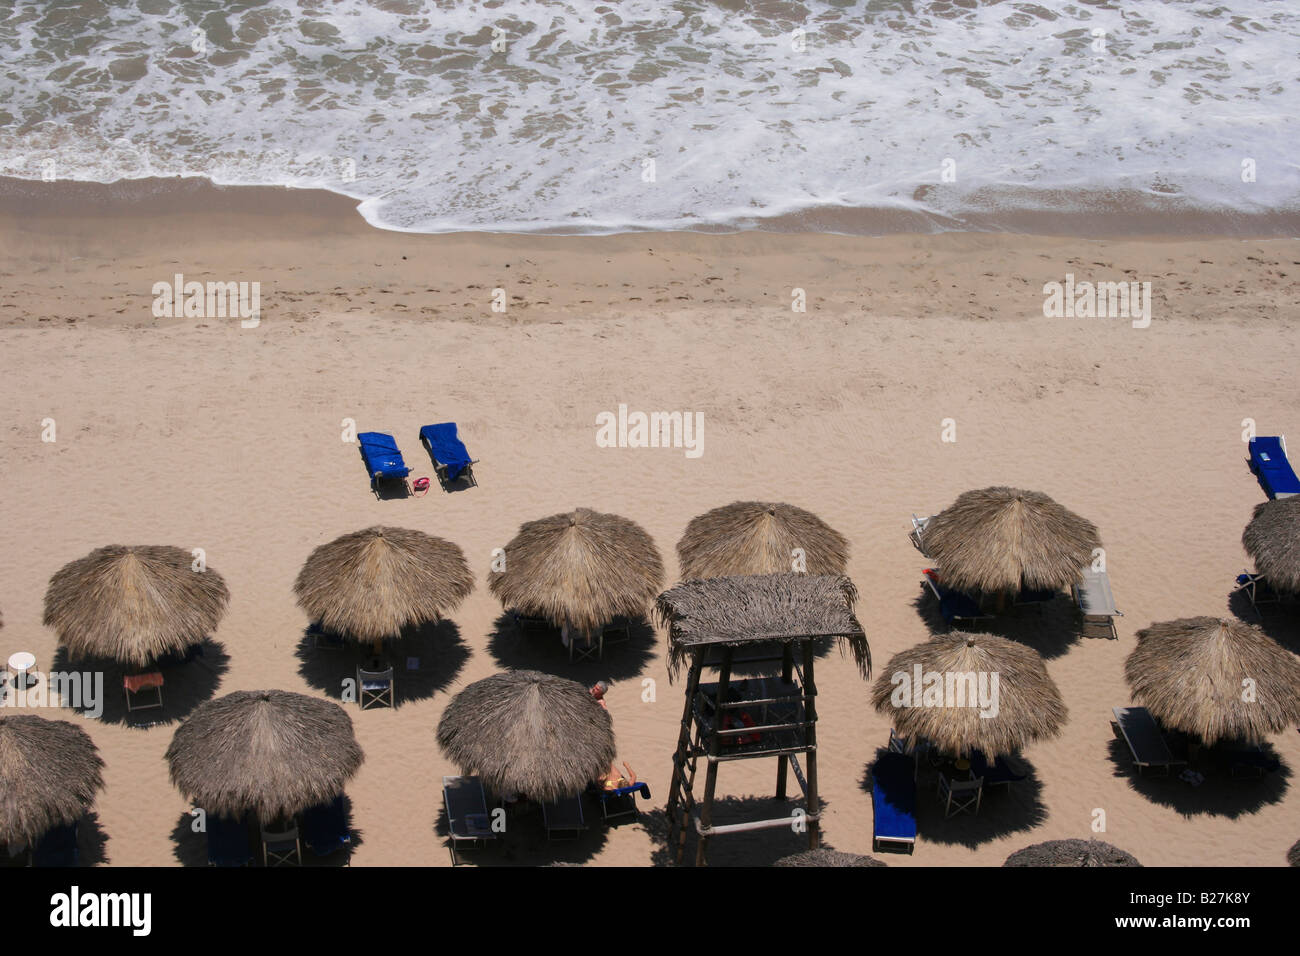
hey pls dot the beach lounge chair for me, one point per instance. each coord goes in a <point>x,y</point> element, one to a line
<point>467,813</point>
<point>999,772</point>
<point>383,460</point>
<point>228,842</point>
<point>1269,463</point>
<point>621,801</point>
<point>451,461</point>
<point>1029,597</point>
<point>375,688</point>
<point>918,532</point>
<point>281,847</point>
<point>143,691</point>
<point>960,796</point>
<point>325,827</point>
<point>956,608</point>
<point>1257,588</point>
<point>893,802</point>
<point>1251,762</point>
<point>1145,741</point>
<point>564,816</point>
<point>57,847</point>
<point>1093,597</point>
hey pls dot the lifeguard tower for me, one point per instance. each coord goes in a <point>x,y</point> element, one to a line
<point>771,625</point>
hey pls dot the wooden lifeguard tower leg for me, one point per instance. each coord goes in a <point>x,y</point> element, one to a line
<point>679,790</point>
<point>783,761</point>
<point>711,777</point>
<point>810,718</point>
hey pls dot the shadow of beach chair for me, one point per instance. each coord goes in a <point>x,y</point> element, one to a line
<point>383,460</point>
<point>57,847</point>
<point>1146,743</point>
<point>998,773</point>
<point>450,458</point>
<point>1093,598</point>
<point>467,813</point>
<point>564,816</point>
<point>621,801</point>
<point>954,606</point>
<point>893,803</point>
<point>325,827</point>
<point>1268,460</point>
<point>228,842</point>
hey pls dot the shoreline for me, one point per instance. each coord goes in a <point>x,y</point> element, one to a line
<point>1116,220</point>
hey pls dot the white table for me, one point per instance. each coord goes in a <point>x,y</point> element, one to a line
<point>20,664</point>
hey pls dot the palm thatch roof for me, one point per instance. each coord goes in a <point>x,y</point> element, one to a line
<point>271,752</point>
<point>758,537</point>
<point>998,540</point>
<point>1071,853</point>
<point>1027,702</point>
<point>825,857</point>
<point>733,611</point>
<point>584,567</point>
<point>134,604</point>
<point>370,584</point>
<point>1273,539</point>
<point>50,772</point>
<point>1293,854</point>
<point>1217,679</point>
<point>528,733</point>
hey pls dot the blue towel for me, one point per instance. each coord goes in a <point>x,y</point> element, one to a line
<point>58,847</point>
<point>893,797</point>
<point>446,447</point>
<point>325,827</point>
<point>1268,460</point>
<point>227,842</point>
<point>382,455</point>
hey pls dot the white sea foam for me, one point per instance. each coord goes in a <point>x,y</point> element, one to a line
<point>404,105</point>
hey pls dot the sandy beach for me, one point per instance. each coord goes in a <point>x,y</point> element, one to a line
<point>201,433</point>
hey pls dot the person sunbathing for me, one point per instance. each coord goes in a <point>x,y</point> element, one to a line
<point>616,779</point>
<point>598,691</point>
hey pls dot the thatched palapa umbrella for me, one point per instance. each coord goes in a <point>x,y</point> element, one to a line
<point>1071,853</point>
<point>271,752</point>
<point>134,604</point>
<point>1216,679</point>
<point>584,567</point>
<point>1273,539</point>
<point>1000,540</point>
<point>946,709</point>
<point>528,733</point>
<point>1293,854</point>
<point>370,584</point>
<point>825,857</point>
<point>758,537</point>
<point>50,772</point>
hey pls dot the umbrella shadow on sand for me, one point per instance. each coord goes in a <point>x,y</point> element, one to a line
<point>1219,794</point>
<point>186,685</point>
<point>1002,810</point>
<point>1051,628</point>
<point>524,842</point>
<point>1280,620</point>
<point>436,650</point>
<point>758,848</point>
<point>541,650</point>
<point>190,848</point>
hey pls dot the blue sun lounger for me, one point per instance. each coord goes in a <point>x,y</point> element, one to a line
<point>383,459</point>
<point>956,607</point>
<point>325,827</point>
<point>893,801</point>
<point>621,801</point>
<point>228,843</point>
<point>1269,463</point>
<point>450,458</point>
